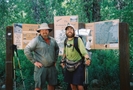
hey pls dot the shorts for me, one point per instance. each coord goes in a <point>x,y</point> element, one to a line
<point>45,74</point>
<point>77,77</point>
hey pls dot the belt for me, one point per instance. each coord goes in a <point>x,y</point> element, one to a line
<point>50,66</point>
<point>72,62</point>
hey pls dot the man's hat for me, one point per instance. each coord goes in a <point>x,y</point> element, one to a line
<point>44,26</point>
<point>69,25</point>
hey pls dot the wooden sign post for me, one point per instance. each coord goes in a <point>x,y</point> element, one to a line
<point>9,58</point>
<point>124,56</point>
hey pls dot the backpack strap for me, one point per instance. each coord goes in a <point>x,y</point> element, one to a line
<point>65,42</point>
<point>76,45</point>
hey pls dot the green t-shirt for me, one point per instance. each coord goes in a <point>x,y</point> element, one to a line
<point>71,52</point>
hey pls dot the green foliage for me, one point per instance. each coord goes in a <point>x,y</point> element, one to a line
<point>105,63</point>
<point>23,65</point>
<point>2,64</point>
<point>105,68</point>
<point>61,82</point>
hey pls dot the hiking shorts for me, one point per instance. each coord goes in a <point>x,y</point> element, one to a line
<point>45,74</point>
<point>76,77</point>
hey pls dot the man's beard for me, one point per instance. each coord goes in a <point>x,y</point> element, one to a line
<point>70,36</point>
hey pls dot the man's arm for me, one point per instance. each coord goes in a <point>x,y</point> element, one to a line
<point>28,50</point>
<point>84,52</point>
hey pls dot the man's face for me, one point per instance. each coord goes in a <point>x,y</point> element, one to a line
<point>44,32</point>
<point>70,32</point>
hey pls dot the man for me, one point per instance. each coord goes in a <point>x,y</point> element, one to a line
<point>43,51</point>
<point>74,78</point>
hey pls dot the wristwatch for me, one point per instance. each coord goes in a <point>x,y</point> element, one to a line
<point>87,58</point>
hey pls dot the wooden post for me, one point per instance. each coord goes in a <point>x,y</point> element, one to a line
<point>124,56</point>
<point>81,25</point>
<point>52,32</point>
<point>9,58</point>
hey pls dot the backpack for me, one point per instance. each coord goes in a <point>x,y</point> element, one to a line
<point>75,45</point>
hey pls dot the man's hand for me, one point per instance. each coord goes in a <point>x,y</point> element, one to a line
<point>87,62</point>
<point>62,65</point>
<point>38,64</point>
<point>62,62</point>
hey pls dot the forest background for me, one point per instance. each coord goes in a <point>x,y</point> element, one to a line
<point>104,69</point>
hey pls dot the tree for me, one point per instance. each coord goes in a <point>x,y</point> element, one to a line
<point>38,11</point>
